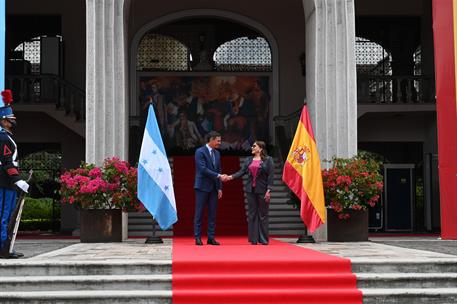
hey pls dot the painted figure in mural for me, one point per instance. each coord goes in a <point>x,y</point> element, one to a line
<point>208,186</point>
<point>153,96</point>
<point>186,133</point>
<point>9,174</point>
<point>261,102</point>
<point>259,169</point>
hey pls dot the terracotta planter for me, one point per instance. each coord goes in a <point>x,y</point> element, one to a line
<point>102,226</point>
<point>354,229</point>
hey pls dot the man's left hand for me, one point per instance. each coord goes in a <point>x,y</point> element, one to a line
<point>219,194</point>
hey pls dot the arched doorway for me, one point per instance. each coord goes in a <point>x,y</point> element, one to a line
<point>201,73</point>
<point>209,56</point>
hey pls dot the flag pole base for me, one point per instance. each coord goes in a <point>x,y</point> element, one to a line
<point>306,239</point>
<point>154,240</point>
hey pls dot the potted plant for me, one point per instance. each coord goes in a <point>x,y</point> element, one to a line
<point>103,195</point>
<point>351,186</point>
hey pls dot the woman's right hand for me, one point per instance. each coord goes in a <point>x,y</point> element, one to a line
<point>267,196</point>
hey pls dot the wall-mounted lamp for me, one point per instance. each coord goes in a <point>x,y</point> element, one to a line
<point>302,60</point>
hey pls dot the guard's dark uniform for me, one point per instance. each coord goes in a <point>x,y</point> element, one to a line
<point>9,175</point>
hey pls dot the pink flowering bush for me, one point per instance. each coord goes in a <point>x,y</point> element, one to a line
<point>352,183</point>
<point>111,186</point>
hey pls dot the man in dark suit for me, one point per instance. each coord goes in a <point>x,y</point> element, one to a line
<point>208,186</point>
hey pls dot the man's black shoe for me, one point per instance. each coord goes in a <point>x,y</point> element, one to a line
<point>198,241</point>
<point>18,254</point>
<point>13,255</point>
<point>213,242</point>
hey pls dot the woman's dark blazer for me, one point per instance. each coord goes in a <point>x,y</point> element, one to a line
<point>265,175</point>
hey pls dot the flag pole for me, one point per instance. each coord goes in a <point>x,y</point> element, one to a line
<point>154,239</point>
<point>303,238</point>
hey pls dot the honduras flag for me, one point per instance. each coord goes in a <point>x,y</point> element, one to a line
<point>155,186</point>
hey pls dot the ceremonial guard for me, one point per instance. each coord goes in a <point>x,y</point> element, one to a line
<point>10,181</point>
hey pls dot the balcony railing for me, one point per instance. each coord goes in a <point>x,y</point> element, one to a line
<point>45,89</point>
<point>377,89</point>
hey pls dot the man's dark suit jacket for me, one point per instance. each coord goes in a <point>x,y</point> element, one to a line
<point>264,178</point>
<point>205,172</point>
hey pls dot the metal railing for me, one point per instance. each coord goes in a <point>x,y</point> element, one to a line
<point>380,89</point>
<point>45,89</point>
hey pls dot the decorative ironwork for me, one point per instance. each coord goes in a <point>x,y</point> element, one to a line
<point>31,53</point>
<point>417,57</point>
<point>35,89</point>
<point>162,53</point>
<point>243,54</point>
<point>372,58</point>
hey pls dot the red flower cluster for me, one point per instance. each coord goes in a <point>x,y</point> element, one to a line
<point>353,183</point>
<point>112,186</point>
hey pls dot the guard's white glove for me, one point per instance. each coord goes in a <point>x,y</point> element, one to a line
<point>22,184</point>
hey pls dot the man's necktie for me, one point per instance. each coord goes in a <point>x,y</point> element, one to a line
<point>213,157</point>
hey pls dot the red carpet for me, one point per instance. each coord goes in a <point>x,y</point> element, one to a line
<point>231,215</point>
<point>237,272</point>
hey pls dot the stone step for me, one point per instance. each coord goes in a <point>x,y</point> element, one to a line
<point>407,280</point>
<point>86,282</point>
<point>442,265</point>
<point>75,268</point>
<point>88,297</point>
<point>410,295</point>
<point>279,206</point>
<point>286,232</point>
<point>283,225</point>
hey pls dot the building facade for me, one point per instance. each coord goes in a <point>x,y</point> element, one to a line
<point>365,69</point>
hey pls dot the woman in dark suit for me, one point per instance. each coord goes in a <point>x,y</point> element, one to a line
<point>259,169</point>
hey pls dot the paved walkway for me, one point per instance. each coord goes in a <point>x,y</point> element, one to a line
<point>136,250</point>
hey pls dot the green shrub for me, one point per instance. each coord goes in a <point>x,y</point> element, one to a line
<point>46,169</point>
<point>38,214</point>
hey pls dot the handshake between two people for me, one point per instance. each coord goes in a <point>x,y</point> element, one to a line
<point>225,178</point>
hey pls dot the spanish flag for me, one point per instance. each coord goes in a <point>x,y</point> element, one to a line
<point>302,174</point>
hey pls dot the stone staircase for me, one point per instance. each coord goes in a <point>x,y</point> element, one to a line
<point>69,121</point>
<point>406,281</point>
<point>143,281</point>
<point>85,282</point>
<point>284,218</point>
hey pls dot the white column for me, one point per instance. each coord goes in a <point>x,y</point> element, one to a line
<point>331,75</point>
<point>106,80</point>
<point>331,78</point>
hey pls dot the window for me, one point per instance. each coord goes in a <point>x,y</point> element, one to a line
<point>243,54</point>
<point>162,53</point>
